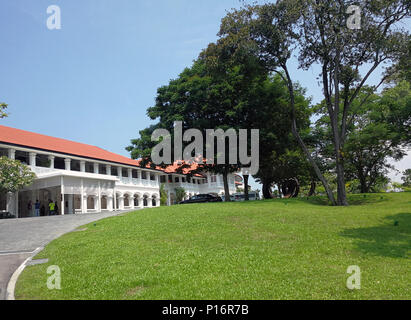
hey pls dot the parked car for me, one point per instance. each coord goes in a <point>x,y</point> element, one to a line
<point>201,198</point>
<point>252,195</point>
<point>232,198</point>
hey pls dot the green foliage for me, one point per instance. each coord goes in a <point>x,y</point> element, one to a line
<point>3,107</point>
<point>180,194</point>
<point>379,130</point>
<point>14,175</point>
<point>163,195</point>
<point>406,178</point>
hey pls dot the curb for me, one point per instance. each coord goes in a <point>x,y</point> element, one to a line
<point>13,280</point>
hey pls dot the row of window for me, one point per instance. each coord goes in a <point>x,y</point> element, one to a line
<point>170,178</point>
<point>43,161</point>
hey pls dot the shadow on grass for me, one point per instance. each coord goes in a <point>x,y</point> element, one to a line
<point>353,199</point>
<point>389,240</point>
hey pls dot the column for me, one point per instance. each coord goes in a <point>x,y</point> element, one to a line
<point>82,166</point>
<point>168,198</point>
<point>141,202</point>
<point>84,203</point>
<point>120,172</point>
<point>110,203</point>
<point>149,202</point>
<point>96,168</point>
<point>131,200</point>
<point>51,159</point>
<point>10,203</point>
<point>121,202</point>
<point>130,176</point>
<point>139,176</point>
<point>12,154</point>
<point>96,203</point>
<point>67,163</point>
<point>82,196</point>
<point>32,159</point>
<point>108,169</point>
<point>115,199</point>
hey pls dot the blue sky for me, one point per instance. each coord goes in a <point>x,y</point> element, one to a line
<point>93,80</point>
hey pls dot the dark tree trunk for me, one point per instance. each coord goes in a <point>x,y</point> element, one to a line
<point>267,194</point>
<point>341,192</point>
<point>280,193</point>
<point>363,182</point>
<point>246,176</point>
<point>226,188</point>
<point>300,141</point>
<point>312,188</point>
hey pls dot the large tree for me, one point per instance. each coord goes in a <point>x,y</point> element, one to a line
<point>318,30</point>
<point>378,131</point>
<point>212,94</point>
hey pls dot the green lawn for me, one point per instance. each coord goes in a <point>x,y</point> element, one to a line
<point>278,249</point>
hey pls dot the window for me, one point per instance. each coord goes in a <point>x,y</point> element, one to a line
<point>213,179</point>
<point>162,179</point>
<point>89,167</point>
<point>183,179</point>
<point>144,175</point>
<point>177,179</point>
<point>170,179</point>
<point>102,169</point>
<point>42,161</point>
<point>75,165</point>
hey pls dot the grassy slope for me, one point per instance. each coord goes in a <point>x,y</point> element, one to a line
<point>279,249</point>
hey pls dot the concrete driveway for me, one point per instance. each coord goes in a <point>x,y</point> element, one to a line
<point>20,237</point>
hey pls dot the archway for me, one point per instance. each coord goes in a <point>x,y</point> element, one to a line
<point>154,200</point>
<point>145,200</point>
<point>126,200</point>
<point>91,203</point>
<point>104,203</point>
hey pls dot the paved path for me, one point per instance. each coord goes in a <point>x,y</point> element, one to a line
<point>20,237</point>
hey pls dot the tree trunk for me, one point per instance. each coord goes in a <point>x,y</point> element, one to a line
<point>267,191</point>
<point>227,197</point>
<point>246,197</point>
<point>312,188</point>
<point>300,141</point>
<point>341,192</point>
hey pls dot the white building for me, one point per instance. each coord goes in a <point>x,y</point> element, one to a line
<point>82,178</point>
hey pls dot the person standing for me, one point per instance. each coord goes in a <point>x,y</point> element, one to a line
<point>37,208</point>
<point>51,208</point>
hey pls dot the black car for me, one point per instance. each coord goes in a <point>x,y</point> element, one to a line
<point>200,198</point>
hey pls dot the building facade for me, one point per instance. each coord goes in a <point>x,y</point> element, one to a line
<point>81,178</point>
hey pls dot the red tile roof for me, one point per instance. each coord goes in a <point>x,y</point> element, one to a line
<point>39,141</point>
<point>185,170</point>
